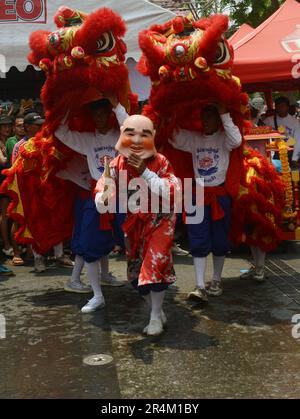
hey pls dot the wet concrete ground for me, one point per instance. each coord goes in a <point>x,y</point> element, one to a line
<point>239,345</point>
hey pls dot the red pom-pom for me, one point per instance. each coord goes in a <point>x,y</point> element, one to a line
<point>178,24</point>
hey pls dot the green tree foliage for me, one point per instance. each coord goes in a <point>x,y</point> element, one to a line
<point>205,7</point>
<point>253,12</point>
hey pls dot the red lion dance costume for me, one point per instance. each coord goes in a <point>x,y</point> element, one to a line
<point>83,60</point>
<point>189,63</point>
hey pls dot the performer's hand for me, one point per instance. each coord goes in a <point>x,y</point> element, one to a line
<point>106,190</point>
<point>113,100</point>
<point>137,163</point>
<point>221,108</point>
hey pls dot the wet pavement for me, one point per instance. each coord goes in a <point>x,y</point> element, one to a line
<point>239,345</point>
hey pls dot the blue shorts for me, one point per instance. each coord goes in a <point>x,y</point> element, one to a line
<point>88,240</point>
<point>211,236</point>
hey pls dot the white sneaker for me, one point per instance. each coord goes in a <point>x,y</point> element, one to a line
<point>248,274</point>
<point>163,320</point>
<point>111,281</point>
<point>176,250</point>
<point>259,274</point>
<point>215,289</point>
<point>96,303</point>
<point>154,328</point>
<point>198,294</point>
<point>65,261</point>
<point>8,252</point>
<point>78,287</point>
<point>39,264</point>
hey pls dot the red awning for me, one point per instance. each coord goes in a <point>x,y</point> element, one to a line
<point>269,56</point>
<point>242,31</point>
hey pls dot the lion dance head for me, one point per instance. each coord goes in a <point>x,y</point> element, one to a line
<point>189,63</point>
<point>83,60</point>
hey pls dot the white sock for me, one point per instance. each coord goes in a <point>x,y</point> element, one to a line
<point>261,258</point>
<point>35,254</point>
<point>200,266</point>
<point>92,270</point>
<point>147,298</point>
<point>104,266</point>
<point>254,254</point>
<point>78,266</point>
<point>58,250</point>
<point>218,262</point>
<point>157,299</point>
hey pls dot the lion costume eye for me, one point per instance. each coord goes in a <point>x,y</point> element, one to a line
<point>222,54</point>
<point>106,43</point>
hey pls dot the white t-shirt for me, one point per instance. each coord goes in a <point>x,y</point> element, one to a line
<point>77,171</point>
<point>95,146</point>
<point>292,128</point>
<point>211,153</point>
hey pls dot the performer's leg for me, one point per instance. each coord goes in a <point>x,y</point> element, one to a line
<point>218,262</point>
<point>39,264</point>
<point>261,258</point>
<point>17,258</point>
<point>157,299</point>
<point>200,244</point>
<point>4,202</point>
<point>257,271</point>
<point>220,245</point>
<point>249,274</point>
<point>254,255</point>
<point>199,292</point>
<point>61,259</point>
<point>200,268</point>
<point>94,244</point>
<point>92,269</point>
<point>104,263</point>
<point>154,296</point>
<point>199,235</point>
<point>155,326</point>
<point>97,301</point>
<point>259,274</point>
<point>75,284</point>
<point>148,300</point>
<point>78,266</point>
<point>58,250</point>
<point>106,277</point>
<point>215,288</point>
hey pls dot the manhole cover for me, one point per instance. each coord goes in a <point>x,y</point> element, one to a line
<point>99,359</point>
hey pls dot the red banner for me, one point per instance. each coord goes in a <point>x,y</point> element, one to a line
<point>23,11</point>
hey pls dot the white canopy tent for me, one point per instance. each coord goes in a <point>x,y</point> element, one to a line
<point>21,17</point>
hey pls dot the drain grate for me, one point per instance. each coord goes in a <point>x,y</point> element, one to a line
<point>284,277</point>
<point>98,359</point>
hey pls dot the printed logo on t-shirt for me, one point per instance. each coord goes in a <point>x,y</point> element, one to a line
<point>208,160</point>
<point>289,132</point>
